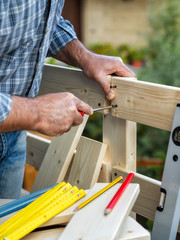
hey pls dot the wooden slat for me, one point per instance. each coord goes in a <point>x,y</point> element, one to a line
<point>90,222</point>
<point>87,163</point>
<point>61,79</point>
<point>30,174</point>
<point>58,157</point>
<point>133,231</point>
<point>105,175</point>
<point>50,234</point>
<point>40,135</point>
<point>120,136</point>
<point>149,196</point>
<point>36,149</point>
<point>147,103</point>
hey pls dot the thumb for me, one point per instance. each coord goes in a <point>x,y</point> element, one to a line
<point>109,93</point>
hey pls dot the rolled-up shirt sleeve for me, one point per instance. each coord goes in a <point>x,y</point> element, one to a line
<point>5,106</point>
<point>63,34</point>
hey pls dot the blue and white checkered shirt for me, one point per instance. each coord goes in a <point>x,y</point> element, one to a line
<point>30,30</point>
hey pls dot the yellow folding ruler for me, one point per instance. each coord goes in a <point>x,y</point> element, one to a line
<point>51,203</point>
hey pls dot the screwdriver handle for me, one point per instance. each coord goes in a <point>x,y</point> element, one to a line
<point>82,113</point>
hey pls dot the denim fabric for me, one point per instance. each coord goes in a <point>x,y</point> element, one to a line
<point>12,162</point>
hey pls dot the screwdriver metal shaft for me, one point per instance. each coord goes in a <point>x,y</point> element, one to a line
<point>102,108</point>
<point>99,109</point>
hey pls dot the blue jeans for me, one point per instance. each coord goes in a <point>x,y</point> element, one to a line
<point>12,162</point>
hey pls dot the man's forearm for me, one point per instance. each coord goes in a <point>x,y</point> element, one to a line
<point>22,115</point>
<point>51,114</point>
<point>74,54</point>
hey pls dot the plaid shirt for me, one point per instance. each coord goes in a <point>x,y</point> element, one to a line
<point>30,30</point>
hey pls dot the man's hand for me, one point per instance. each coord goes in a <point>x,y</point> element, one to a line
<point>94,66</point>
<point>98,67</point>
<point>51,114</point>
<point>61,111</point>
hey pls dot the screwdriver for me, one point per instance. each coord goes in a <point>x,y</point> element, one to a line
<point>99,109</point>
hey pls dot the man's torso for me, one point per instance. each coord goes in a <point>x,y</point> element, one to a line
<point>26,28</point>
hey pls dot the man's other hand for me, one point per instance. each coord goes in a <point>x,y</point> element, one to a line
<point>99,66</point>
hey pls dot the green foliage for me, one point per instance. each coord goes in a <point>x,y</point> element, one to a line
<point>126,52</point>
<point>152,142</point>
<point>93,127</point>
<point>52,61</point>
<point>105,49</point>
<point>162,61</point>
<point>130,54</point>
<point>149,224</point>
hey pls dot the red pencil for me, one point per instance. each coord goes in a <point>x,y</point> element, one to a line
<point>119,193</point>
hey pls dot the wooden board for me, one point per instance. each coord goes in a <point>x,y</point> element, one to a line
<point>91,223</point>
<point>62,79</point>
<point>131,231</point>
<point>105,175</point>
<point>120,136</point>
<point>87,163</point>
<point>51,234</point>
<point>36,149</point>
<point>58,157</point>
<point>145,102</point>
<point>30,174</point>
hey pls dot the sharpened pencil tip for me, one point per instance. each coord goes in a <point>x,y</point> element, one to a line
<point>107,211</point>
<point>76,209</point>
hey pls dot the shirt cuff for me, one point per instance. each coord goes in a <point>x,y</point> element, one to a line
<point>63,34</point>
<point>5,106</point>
